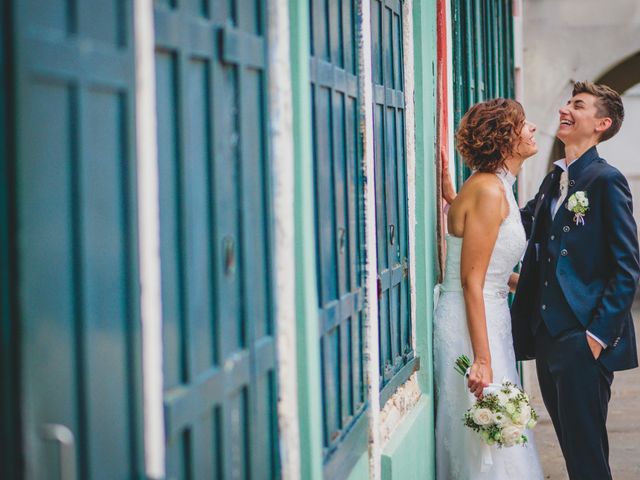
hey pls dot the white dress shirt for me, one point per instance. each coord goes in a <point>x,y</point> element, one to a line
<point>554,203</point>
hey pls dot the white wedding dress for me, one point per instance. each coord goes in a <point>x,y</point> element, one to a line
<point>460,453</point>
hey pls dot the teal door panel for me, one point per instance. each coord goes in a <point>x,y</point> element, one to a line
<point>76,240</point>
<point>215,226</point>
<point>392,234</point>
<point>483,65</point>
<point>337,157</point>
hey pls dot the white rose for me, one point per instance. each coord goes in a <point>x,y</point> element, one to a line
<point>503,398</point>
<point>580,196</point>
<point>510,408</point>
<point>499,418</point>
<point>525,415</point>
<point>585,202</point>
<point>514,392</point>
<point>482,416</point>
<point>572,203</point>
<point>510,435</point>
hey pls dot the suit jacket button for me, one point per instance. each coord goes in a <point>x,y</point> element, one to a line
<point>546,283</point>
<point>553,237</point>
<point>565,229</point>
<point>572,183</point>
<point>544,307</point>
<point>564,253</point>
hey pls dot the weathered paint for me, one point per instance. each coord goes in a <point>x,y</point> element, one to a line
<point>443,123</point>
<point>283,178</point>
<point>371,349</point>
<point>397,407</point>
<point>149,240</point>
<point>402,457</point>
<point>410,139</point>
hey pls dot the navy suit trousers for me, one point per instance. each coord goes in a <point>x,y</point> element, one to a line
<point>576,389</point>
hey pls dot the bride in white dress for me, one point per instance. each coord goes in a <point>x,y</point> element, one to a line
<point>486,241</point>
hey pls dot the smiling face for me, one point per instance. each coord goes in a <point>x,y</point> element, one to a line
<point>526,146</point>
<point>579,120</point>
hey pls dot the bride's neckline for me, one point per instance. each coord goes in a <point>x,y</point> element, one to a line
<point>507,175</point>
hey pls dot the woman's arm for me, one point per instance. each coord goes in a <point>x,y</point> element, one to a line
<point>481,227</point>
<point>448,192</point>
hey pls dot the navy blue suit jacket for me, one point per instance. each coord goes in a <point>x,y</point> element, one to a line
<point>598,270</point>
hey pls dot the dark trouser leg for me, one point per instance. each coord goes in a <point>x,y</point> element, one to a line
<point>547,382</point>
<point>576,389</point>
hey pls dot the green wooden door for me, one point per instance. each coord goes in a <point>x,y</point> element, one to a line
<point>483,65</point>
<point>395,340</point>
<point>219,340</point>
<point>76,243</point>
<point>337,156</point>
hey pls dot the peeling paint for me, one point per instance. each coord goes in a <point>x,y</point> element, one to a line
<point>371,352</point>
<point>397,407</point>
<point>281,145</point>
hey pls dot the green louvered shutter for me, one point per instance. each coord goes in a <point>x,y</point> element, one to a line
<point>337,156</point>
<point>395,339</point>
<point>483,64</point>
<point>75,199</point>
<point>219,340</point>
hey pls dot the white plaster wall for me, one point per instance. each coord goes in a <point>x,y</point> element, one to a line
<point>568,40</point>
<point>622,150</point>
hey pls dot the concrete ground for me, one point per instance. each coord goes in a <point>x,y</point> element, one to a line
<point>623,424</point>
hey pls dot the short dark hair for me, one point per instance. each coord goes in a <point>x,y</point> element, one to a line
<point>488,133</point>
<point>608,104</point>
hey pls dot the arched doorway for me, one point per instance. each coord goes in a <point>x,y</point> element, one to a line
<point>621,77</point>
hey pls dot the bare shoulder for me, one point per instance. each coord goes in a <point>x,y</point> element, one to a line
<point>485,188</point>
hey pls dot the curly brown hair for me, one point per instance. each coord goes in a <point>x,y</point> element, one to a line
<point>488,133</point>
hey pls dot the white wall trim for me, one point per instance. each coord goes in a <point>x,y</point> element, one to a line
<point>149,240</point>
<point>282,168</point>
<point>410,143</point>
<point>371,349</point>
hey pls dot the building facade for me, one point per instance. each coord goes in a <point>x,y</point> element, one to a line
<point>222,231</point>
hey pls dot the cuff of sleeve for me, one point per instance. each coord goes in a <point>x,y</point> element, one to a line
<point>602,344</point>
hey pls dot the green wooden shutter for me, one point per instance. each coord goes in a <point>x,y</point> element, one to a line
<point>395,340</point>
<point>337,156</point>
<point>76,238</point>
<point>219,341</point>
<point>483,64</point>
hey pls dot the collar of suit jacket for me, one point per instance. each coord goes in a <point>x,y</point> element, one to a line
<point>578,166</point>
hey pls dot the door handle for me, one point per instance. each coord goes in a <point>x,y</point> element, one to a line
<point>67,448</point>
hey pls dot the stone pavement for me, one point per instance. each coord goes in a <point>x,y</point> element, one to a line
<point>623,424</point>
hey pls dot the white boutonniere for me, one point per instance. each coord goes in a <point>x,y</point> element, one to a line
<point>578,204</point>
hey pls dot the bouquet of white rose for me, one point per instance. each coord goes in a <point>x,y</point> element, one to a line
<point>501,415</point>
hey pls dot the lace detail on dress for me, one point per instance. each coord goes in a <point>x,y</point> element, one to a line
<point>458,449</point>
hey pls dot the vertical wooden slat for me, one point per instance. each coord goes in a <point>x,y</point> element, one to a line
<point>71,117</point>
<point>10,434</point>
<point>212,103</point>
<point>338,215</point>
